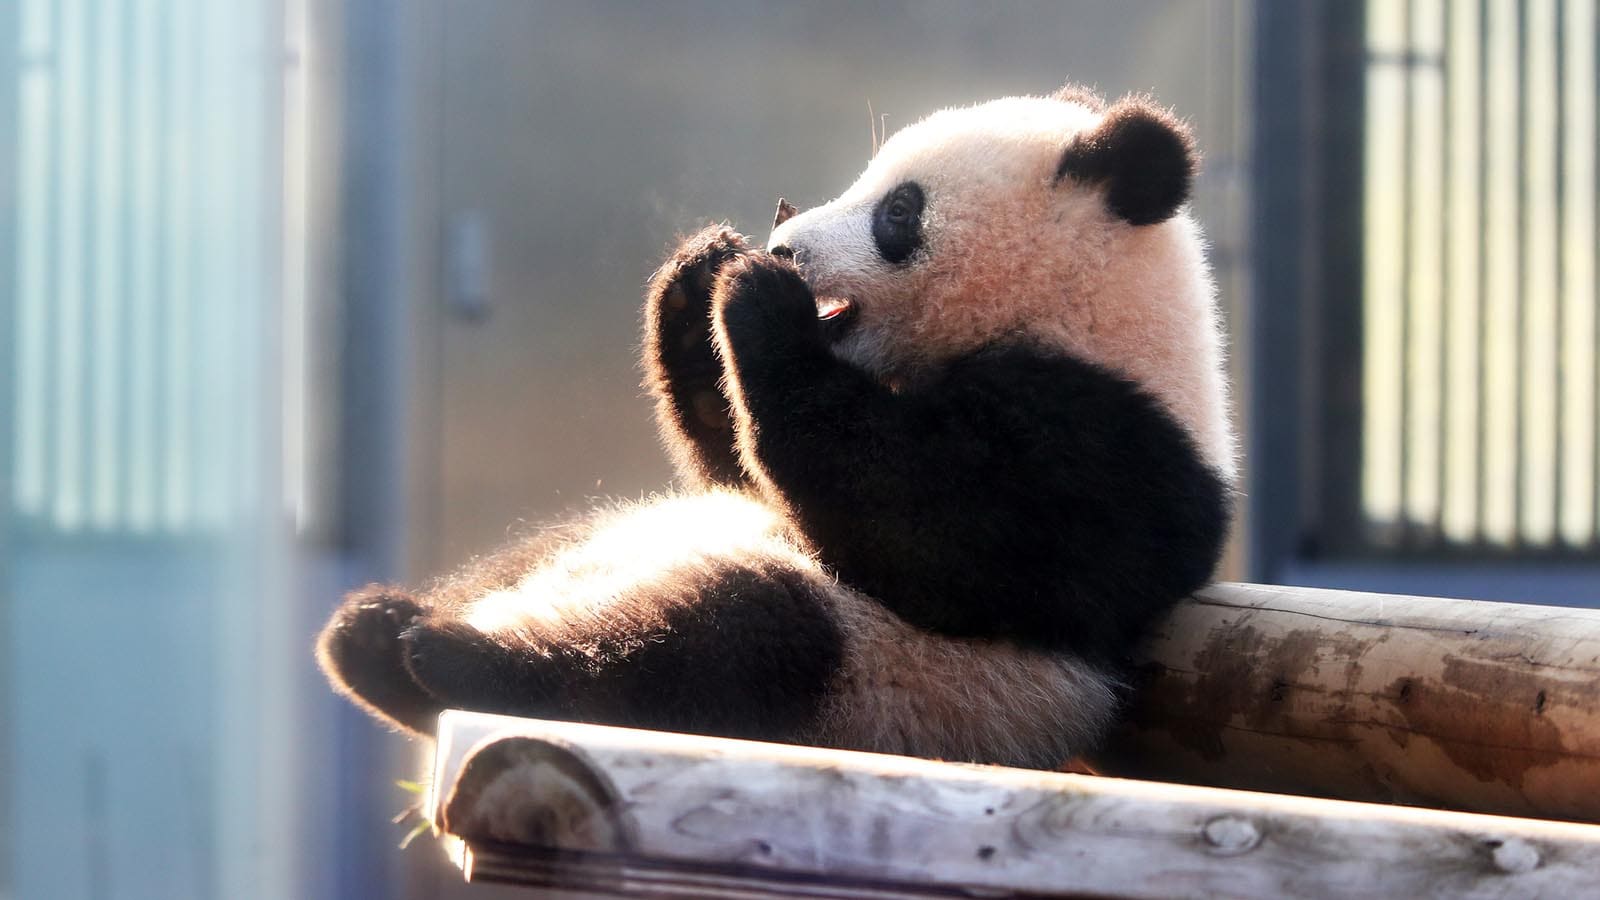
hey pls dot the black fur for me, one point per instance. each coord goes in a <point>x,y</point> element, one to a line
<point>1012,493</point>
<point>362,647</point>
<point>897,222</point>
<point>1143,155</point>
<point>681,371</point>
<point>741,652</point>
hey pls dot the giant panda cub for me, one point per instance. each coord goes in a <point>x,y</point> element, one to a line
<point>949,443</point>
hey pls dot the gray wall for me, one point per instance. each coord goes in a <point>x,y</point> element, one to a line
<point>585,136</point>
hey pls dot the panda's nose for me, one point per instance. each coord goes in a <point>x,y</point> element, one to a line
<point>783,250</point>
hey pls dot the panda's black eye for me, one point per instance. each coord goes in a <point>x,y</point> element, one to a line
<point>897,222</point>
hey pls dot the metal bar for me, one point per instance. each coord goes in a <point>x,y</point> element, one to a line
<point>1337,280</point>
<point>1279,196</point>
<point>92,203</point>
<point>49,439</point>
<point>1447,201</point>
<point>1481,440</point>
<point>1561,259</point>
<point>161,221</point>
<point>124,427</point>
<point>1406,536</point>
<point>1595,500</point>
<point>1518,369</point>
<point>203,236</point>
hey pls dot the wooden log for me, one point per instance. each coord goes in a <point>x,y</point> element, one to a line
<point>1487,707</point>
<point>583,807</point>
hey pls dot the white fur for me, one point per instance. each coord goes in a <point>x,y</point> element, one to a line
<point>1010,250</point>
<point>900,690</point>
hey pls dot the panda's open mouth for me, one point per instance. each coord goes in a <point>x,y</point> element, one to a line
<point>836,315</point>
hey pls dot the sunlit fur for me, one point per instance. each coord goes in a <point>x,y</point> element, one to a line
<point>1010,251</point>
<point>900,690</point>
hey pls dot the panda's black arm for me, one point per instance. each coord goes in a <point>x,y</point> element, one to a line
<point>1016,494</point>
<point>681,369</point>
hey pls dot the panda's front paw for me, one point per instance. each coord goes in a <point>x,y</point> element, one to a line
<point>679,296</point>
<point>763,306</point>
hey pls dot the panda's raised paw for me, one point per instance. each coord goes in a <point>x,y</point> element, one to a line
<point>762,302</point>
<point>684,283</point>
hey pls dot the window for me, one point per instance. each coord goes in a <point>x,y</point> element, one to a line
<point>1429,182</point>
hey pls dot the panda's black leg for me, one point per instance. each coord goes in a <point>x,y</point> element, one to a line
<point>737,653</point>
<point>464,668</point>
<point>681,367</point>
<point>361,653</point>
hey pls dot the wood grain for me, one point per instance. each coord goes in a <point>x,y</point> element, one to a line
<point>1487,707</point>
<point>693,816</point>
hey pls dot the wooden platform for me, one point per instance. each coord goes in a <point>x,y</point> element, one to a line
<point>1465,706</point>
<point>583,807</point>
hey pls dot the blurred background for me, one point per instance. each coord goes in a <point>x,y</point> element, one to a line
<point>299,294</point>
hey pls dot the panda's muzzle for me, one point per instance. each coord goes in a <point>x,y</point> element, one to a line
<point>836,314</point>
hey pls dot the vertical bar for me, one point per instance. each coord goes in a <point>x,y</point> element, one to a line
<point>128,173</point>
<point>211,222</point>
<point>1408,204</point>
<point>216,325</point>
<point>298,498</point>
<point>1580,419</point>
<point>1502,282</point>
<point>1280,507</point>
<point>91,201</point>
<point>1447,170</point>
<point>1516,370</point>
<point>1480,338</point>
<point>71,151</point>
<point>35,228</point>
<point>1464,236</point>
<point>1558,288</point>
<point>181,234</point>
<point>1425,255</point>
<point>106,201</point>
<point>1383,298</point>
<point>1537,325</point>
<point>144,410</point>
<point>1594,250</point>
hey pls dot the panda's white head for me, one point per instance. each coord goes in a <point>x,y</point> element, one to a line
<point>1055,218</point>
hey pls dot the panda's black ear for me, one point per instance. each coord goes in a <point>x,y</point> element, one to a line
<point>1143,155</point>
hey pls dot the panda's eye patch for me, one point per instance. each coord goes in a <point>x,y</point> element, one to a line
<point>897,222</point>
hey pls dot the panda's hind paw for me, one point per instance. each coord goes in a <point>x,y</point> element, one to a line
<point>360,651</point>
<point>464,668</point>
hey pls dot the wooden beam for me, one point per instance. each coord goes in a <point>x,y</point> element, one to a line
<point>1487,707</point>
<point>586,807</point>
